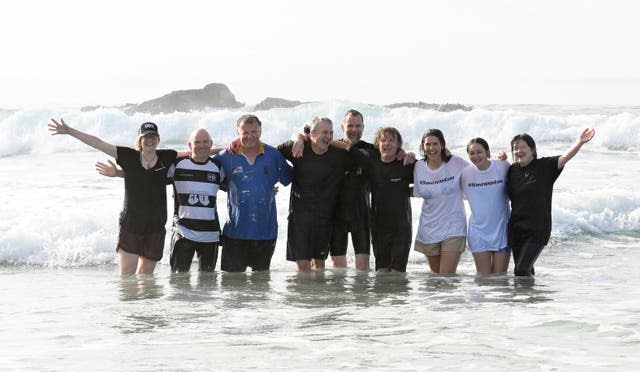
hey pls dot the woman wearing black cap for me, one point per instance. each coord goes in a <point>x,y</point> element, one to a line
<point>144,213</point>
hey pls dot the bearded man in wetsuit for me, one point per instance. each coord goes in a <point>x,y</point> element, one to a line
<point>352,211</point>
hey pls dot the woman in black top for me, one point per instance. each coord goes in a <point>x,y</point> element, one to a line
<point>530,187</point>
<point>144,213</point>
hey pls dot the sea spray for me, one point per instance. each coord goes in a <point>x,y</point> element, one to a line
<point>24,131</point>
<point>57,211</point>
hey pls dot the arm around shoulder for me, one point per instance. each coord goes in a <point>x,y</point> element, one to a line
<point>286,150</point>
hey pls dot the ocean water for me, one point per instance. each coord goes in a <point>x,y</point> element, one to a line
<point>64,307</point>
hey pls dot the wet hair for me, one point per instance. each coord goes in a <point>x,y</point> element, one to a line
<point>528,140</point>
<point>387,130</point>
<point>314,123</point>
<point>438,134</point>
<point>249,119</point>
<point>353,112</point>
<point>480,141</point>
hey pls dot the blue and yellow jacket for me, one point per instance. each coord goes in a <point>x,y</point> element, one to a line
<point>251,197</point>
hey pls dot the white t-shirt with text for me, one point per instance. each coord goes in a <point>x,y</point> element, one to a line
<point>486,193</point>
<point>443,214</point>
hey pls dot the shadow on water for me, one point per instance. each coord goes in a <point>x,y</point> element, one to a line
<point>439,284</point>
<point>509,289</point>
<point>139,317</point>
<point>441,291</point>
<point>239,289</point>
<point>192,286</point>
<point>334,288</point>
<point>318,289</point>
<point>391,288</point>
<point>140,287</point>
<point>259,281</point>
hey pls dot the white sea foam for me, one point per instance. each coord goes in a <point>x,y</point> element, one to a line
<point>24,131</point>
<point>57,211</point>
<point>596,212</point>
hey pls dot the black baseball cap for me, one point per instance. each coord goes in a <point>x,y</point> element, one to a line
<point>148,128</point>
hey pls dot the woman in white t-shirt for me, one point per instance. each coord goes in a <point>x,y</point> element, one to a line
<point>484,185</point>
<point>443,225</point>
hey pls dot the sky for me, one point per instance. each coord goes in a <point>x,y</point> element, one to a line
<point>68,52</point>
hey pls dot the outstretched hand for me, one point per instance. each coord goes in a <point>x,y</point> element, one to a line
<point>109,170</point>
<point>502,155</point>
<point>587,135</point>
<point>58,127</point>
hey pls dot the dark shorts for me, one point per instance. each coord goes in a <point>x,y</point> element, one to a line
<point>308,239</point>
<point>183,249</point>
<point>360,237</point>
<point>149,246</point>
<point>391,249</point>
<point>238,254</point>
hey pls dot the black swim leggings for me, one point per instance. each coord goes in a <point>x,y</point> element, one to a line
<point>524,256</point>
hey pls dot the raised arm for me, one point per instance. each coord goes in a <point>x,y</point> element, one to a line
<point>93,141</point>
<point>585,137</point>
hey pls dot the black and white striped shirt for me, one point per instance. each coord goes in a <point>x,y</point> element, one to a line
<point>195,186</point>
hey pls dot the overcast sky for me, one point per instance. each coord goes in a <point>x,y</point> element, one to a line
<point>112,52</point>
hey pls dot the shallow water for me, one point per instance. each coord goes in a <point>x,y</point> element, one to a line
<point>64,307</point>
<point>565,319</point>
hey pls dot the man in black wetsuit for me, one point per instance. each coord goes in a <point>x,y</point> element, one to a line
<point>352,213</point>
<point>352,205</point>
<point>317,180</point>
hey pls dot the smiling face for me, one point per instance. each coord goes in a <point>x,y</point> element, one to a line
<point>249,133</point>
<point>148,142</point>
<point>522,153</point>
<point>388,145</point>
<point>352,127</point>
<point>432,148</point>
<point>200,145</point>
<point>478,155</point>
<point>321,135</point>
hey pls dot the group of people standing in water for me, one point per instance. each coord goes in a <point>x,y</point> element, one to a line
<point>338,187</point>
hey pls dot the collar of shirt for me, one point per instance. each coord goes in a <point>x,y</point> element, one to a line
<point>260,149</point>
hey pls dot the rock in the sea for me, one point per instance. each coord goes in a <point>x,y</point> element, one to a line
<point>212,95</point>
<point>90,108</point>
<point>432,106</point>
<point>273,102</point>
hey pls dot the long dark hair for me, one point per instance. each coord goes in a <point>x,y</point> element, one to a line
<point>528,140</point>
<point>436,133</point>
<point>481,142</point>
